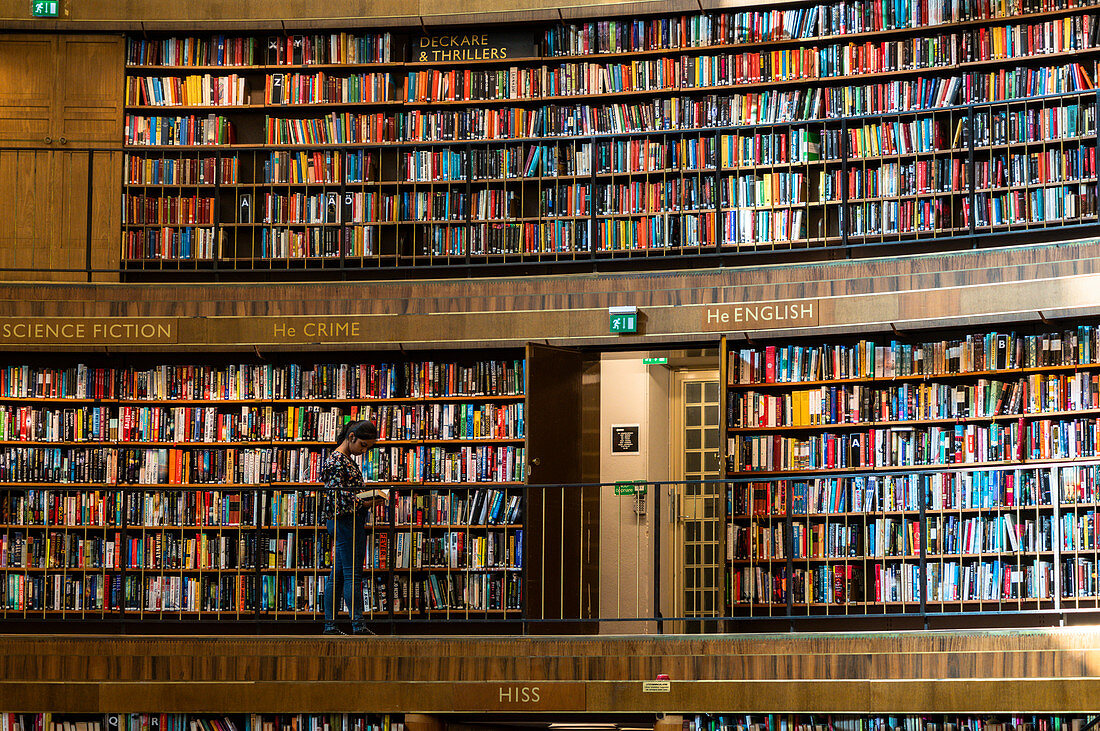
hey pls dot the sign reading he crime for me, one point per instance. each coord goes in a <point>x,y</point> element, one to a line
<point>470,46</point>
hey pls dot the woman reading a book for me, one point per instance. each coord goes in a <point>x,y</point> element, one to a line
<point>344,509</point>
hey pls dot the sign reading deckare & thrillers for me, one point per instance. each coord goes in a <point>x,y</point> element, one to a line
<point>470,46</point>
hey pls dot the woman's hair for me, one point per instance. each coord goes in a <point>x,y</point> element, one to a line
<point>362,430</point>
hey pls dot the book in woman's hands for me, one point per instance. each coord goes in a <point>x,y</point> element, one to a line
<point>365,495</point>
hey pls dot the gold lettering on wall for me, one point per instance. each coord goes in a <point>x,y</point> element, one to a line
<point>761,315</point>
<point>88,330</point>
<point>515,696</point>
<point>314,330</point>
<point>458,47</point>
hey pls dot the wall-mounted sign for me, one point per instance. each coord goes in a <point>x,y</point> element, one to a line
<point>624,438</point>
<point>624,319</point>
<point>761,315</point>
<point>470,46</point>
<point>88,330</point>
<point>45,8</point>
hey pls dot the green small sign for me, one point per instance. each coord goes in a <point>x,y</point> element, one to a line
<point>624,323</point>
<point>630,488</point>
<point>45,8</point>
<point>654,361</point>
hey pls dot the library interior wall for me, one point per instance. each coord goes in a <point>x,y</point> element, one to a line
<point>155,14</point>
<point>630,393</point>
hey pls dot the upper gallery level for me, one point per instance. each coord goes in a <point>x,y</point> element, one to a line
<point>389,147</point>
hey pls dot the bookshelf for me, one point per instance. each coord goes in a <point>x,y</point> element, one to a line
<point>878,722</point>
<point>914,475</point>
<point>705,135</point>
<point>201,722</point>
<point>182,491</point>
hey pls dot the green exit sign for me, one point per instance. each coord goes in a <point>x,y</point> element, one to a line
<point>624,323</point>
<point>625,487</point>
<point>623,319</point>
<point>654,361</point>
<point>45,8</point>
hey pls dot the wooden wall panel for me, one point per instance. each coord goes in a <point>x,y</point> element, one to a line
<point>27,67</point>
<point>972,288</point>
<point>966,672</point>
<point>88,98</point>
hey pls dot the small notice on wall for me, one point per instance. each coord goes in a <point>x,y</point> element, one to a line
<point>624,438</point>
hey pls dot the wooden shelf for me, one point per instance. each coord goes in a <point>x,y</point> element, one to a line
<point>892,379</point>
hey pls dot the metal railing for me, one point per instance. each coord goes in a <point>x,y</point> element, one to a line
<point>633,558</point>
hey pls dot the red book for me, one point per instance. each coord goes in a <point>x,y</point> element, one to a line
<point>769,364</point>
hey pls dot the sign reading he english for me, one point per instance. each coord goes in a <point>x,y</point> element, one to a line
<point>761,315</point>
<point>457,47</point>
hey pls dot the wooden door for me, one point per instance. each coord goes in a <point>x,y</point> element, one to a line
<point>87,108</point>
<point>60,95</point>
<point>561,534</point>
<point>28,68</point>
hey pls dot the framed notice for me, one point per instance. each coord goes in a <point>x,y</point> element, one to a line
<point>624,438</point>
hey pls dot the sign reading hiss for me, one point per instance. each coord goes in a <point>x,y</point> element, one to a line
<point>45,8</point>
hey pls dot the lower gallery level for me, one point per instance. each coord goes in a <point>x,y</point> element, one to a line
<point>961,673</point>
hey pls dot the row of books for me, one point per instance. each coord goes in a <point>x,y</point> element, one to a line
<point>457,551</point>
<point>1049,204</point>
<point>642,155</point>
<point>267,381</point>
<point>145,170</point>
<point>334,48</point>
<point>970,353</point>
<point>211,129</point>
<point>257,423</point>
<point>756,26</point>
<point>187,91</point>
<point>1075,164</point>
<point>946,581</point>
<point>483,591</point>
<point>457,592</point>
<point>228,508</point>
<point>612,36</point>
<point>656,74</point>
<point>253,466</point>
<point>996,490</point>
<point>665,231</point>
<point>904,178</point>
<point>685,194</point>
<point>169,242</point>
<point>144,209</point>
<point>897,722</point>
<point>312,243</point>
<point>680,113</point>
<point>218,50</point>
<point>917,401</point>
<point>194,722</point>
<point>327,88</point>
<point>179,551</point>
<point>749,226</point>
<point>1043,439</point>
<point>946,536</point>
